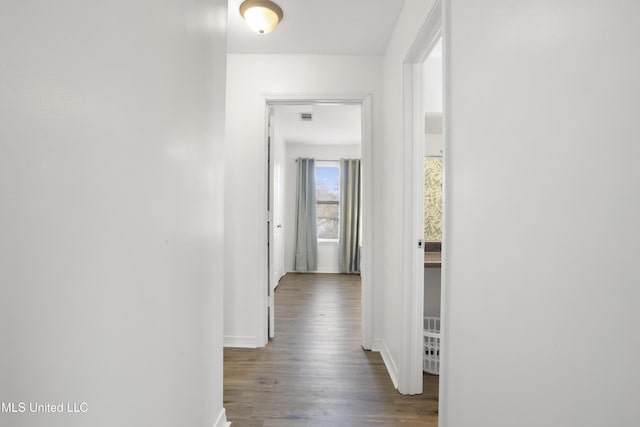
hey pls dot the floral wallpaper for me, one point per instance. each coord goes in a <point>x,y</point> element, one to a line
<point>432,199</point>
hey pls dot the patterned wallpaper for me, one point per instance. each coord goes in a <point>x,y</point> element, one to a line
<point>432,199</point>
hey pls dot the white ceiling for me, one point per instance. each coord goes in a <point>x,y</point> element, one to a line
<point>331,125</point>
<point>341,27</point>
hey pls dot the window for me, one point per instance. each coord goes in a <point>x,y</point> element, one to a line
<point>328,200</point>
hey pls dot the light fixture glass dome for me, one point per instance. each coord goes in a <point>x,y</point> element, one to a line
<point>262,16</point>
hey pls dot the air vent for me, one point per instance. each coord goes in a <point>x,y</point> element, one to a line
<point>306,117</point>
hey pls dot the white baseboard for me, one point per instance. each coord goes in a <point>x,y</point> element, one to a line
<point>325,270</point>
<point>240,342</point>
<point>318,271</point>
<point>221,421</point>
<point>379,345</point>
<point>281,274</point>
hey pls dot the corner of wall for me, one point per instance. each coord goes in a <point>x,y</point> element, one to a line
<point>240,342</point>
<point>380,346</point>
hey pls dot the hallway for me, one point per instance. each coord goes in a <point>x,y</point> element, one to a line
<point>315,373</point>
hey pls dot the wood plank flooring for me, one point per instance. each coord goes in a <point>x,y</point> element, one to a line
<point>315,372</point>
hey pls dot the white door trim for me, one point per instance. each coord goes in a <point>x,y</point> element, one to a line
<point>410,375</point>
<point>366,267</point>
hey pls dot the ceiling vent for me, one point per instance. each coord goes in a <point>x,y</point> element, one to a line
<point>306,117</point>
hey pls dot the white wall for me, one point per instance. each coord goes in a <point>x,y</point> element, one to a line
<point>432,81</point>
<point>250,78</point>
<point>111,128</point>
<point>542,236</point>
<point>327,252</point>
<point>432,75</point>
<point>391,189</point>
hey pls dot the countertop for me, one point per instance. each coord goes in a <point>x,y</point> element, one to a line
<point>432,254</point>
<point>433,260</point>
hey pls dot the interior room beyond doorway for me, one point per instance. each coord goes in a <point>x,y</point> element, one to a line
<point>326,133</point>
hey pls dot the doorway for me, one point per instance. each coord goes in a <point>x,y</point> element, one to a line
<point>432,174</point>
<point>295,130</point>
<point>416,125</point>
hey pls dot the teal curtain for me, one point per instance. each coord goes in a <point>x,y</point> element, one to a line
<point>306,253</point>
<point>350,215</point>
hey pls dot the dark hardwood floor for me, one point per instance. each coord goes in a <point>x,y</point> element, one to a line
<point>315,372</point>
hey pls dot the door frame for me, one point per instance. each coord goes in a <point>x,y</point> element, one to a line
<point>410,372</point>
<point>368,247</point>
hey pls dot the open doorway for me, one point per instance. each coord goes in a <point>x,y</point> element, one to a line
<point>423,113</point>
<point>327,132</point>
<point>431,88</point>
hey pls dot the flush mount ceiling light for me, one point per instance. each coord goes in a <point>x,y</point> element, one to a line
<point>262,16</point>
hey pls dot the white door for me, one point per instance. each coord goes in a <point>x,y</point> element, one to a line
<point>276,249</point>
<point>271,226</point>
<point>278,212</point>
